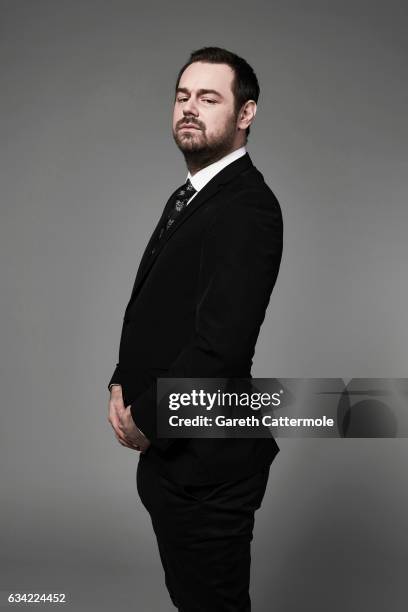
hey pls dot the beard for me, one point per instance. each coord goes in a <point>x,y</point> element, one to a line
<point>198,149</point>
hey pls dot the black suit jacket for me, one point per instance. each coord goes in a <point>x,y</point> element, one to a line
<point>196,308</point>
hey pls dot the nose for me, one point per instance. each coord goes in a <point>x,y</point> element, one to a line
<point>189,107</point>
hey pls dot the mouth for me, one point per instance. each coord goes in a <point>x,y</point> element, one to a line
<point>188,127</point>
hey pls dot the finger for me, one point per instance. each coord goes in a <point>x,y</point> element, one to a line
<point>114,414</point>
<point>118,415</point>
<point>127,440</point>
<point>121,437</point>
<point>115,426</point>
<point>127,443</point>
<point>118,429</point>
<point>124,418</point>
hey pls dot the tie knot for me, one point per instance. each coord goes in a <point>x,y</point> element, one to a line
<point>189,186</point>
<point>186,191</point>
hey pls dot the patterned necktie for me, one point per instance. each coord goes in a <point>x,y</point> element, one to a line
<point>181,197</point>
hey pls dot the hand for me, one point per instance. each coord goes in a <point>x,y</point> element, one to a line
<point>123,424</point>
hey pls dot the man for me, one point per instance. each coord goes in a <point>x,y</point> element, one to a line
<point>196,308</point>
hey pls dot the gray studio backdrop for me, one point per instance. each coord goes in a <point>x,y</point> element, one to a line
<point>87,164</point>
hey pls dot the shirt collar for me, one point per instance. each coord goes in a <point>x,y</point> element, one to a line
<point>202,177</point>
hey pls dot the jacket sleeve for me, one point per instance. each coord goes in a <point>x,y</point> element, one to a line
<point>240,259</point>
<point>115,378</point>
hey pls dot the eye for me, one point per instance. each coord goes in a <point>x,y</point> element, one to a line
<point>209,100</point>
<point>181,99</point>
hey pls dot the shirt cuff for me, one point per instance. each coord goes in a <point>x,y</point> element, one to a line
<point>114,385</point>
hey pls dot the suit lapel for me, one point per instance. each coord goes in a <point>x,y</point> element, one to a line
<point>235,168</point>
<point>145,256</point>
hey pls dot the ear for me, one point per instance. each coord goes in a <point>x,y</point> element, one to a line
<point>246,114</point>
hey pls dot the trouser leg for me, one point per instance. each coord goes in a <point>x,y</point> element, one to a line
<point>204,535</point>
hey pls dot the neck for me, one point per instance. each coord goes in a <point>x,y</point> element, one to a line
<point>198,160</point>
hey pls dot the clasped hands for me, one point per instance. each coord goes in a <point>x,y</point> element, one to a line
<point>123,424</point>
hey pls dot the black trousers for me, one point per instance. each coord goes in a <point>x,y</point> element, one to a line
<point>203,534</point>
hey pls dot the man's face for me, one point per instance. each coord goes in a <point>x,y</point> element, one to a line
<point>204,118</point>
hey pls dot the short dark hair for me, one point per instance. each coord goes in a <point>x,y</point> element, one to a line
<point>245,84</point>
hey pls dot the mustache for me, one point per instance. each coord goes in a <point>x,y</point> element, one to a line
<point>187,122</point>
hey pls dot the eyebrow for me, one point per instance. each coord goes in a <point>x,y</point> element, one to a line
<point>200,92</point>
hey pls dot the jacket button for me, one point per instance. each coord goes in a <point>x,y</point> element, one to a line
<point>153,251</point>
